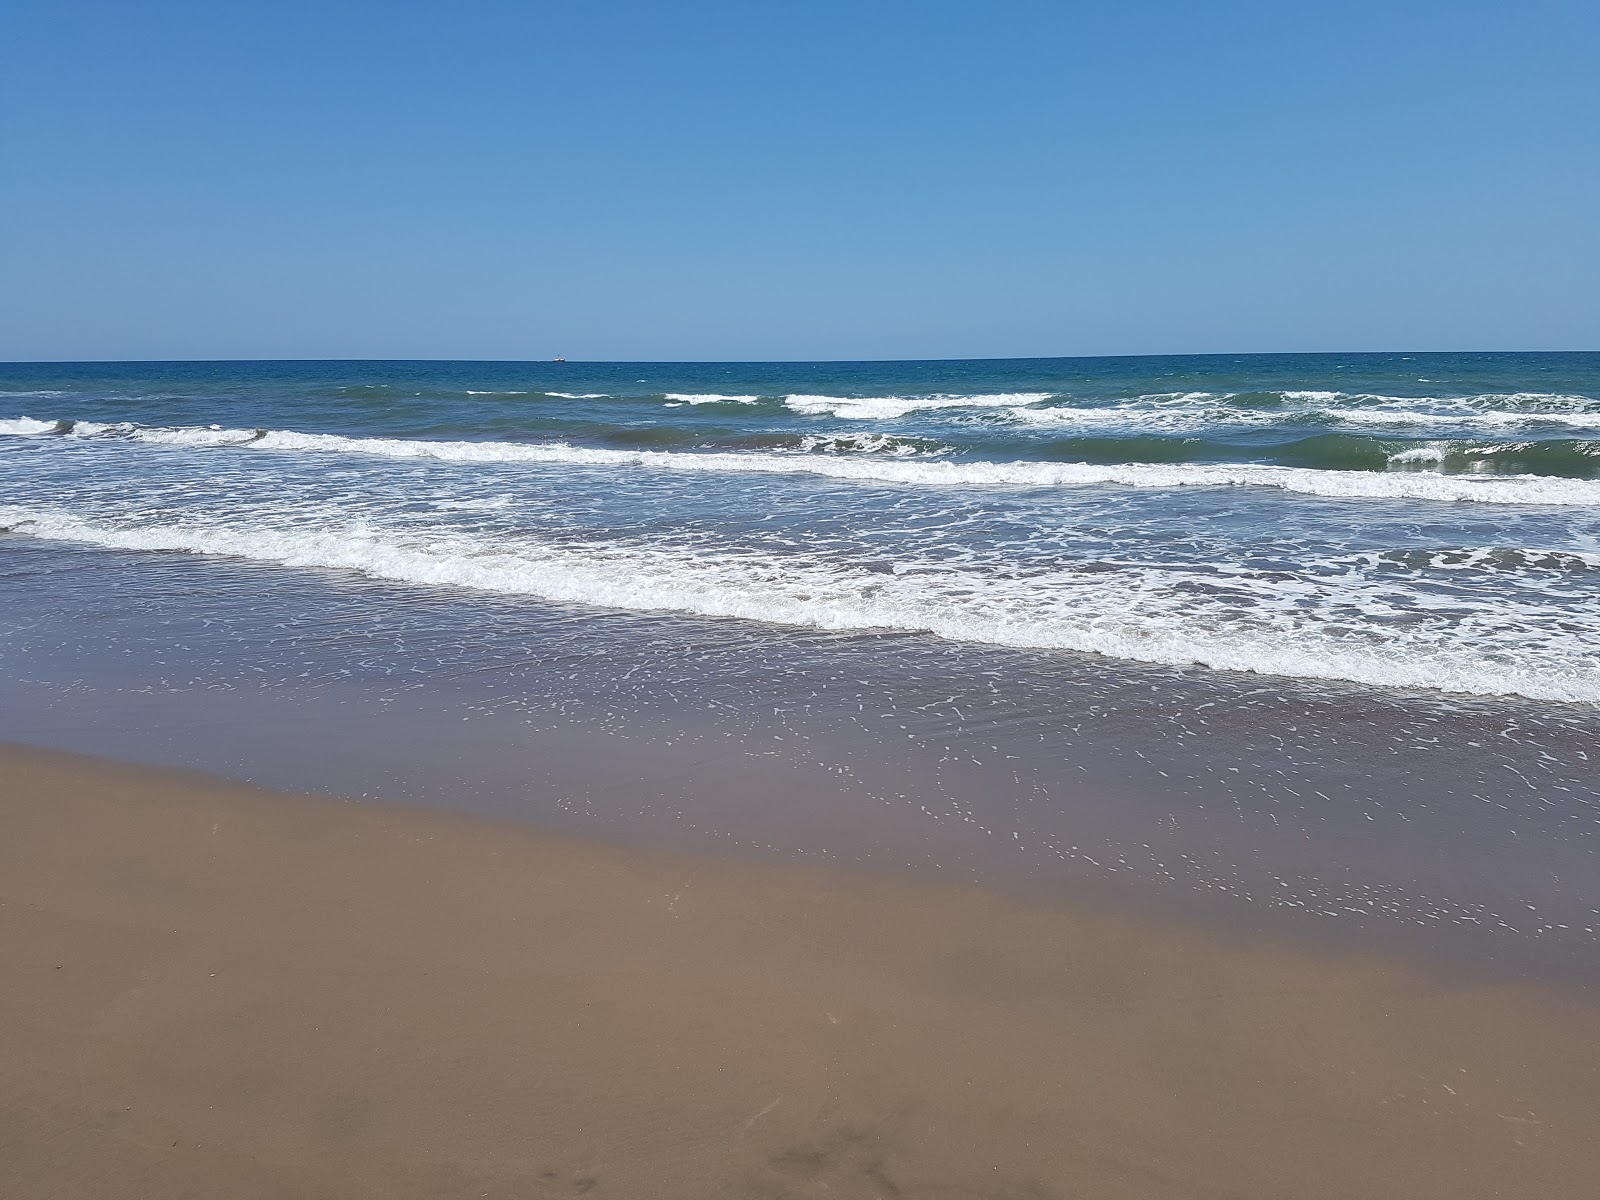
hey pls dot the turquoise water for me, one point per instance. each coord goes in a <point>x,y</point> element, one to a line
<point>1427,521</point>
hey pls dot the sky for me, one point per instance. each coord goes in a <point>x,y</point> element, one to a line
<point>819,180</point>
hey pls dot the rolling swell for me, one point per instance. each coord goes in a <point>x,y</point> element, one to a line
<point>870,464</point>
<point>1568,457</point>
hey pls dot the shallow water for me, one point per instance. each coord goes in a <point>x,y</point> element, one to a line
<point>1460,827</point>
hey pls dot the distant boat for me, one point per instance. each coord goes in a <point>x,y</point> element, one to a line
<point>559,359</point>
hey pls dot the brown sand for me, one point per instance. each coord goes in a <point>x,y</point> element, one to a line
<point>207,990</point>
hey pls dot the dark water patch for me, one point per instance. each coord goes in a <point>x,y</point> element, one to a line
<point>1569,458</point>
<point>1325,451</point>
<point>509,427</point>
<point>1254,401</point>
<point>1337,452</point>
<point>650,436</point>
<point>1148,448</point>
<point>762,441</point>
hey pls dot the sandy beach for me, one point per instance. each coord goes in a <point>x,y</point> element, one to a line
<point>214,990</point>
<point>888,602</point>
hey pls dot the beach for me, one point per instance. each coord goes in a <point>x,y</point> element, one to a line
<point>769,603</point>
<point>211,989</point>
<point>1160,777</point>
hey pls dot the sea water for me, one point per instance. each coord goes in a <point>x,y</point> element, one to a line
<point>1338,617</point>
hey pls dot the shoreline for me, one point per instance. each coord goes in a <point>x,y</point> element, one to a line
<point>219,989</point>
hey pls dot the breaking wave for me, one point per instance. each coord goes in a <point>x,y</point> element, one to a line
<point>1179,618</point>
<point>870,463</point>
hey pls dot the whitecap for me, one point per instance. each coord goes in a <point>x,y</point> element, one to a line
<point>25,427</point>
<point>868,408</point>
<point>1376,485</point>
<point>710,398</point>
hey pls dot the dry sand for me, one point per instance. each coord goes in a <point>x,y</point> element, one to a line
<point>208,990</point>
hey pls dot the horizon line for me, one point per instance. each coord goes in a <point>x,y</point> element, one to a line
<point>562,361</point>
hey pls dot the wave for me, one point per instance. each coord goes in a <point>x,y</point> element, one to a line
<point>27,427</point>
<point>1195,420</point>
<point>1196,411</point>
<point>867,408</point>
<point>697,398</point>
<point>1487,487</point>
<point>1577,459</point>
<point>866,443</point>
<point>1082,612</point>
<point>1468,418</point>
<point>1166,419</point>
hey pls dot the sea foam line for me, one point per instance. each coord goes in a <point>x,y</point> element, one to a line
<point>1375,485</point>
<point>708,398</point>
<point>1196,419</point>
<point>888,407</point>
<point>760,588</point>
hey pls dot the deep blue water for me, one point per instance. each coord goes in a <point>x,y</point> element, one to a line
<point>1506,413</point>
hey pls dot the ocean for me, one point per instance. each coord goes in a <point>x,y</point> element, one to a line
<point>1314,632</point>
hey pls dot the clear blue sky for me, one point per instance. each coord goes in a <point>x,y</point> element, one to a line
<point>804,180</point>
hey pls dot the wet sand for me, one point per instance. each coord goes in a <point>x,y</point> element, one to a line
<point>207,989</point>
<point>1460,830</point>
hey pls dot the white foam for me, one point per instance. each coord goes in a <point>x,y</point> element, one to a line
<point>1465,418</point>
<point>1137,612</point>
<point>25,427</point>
<point>1547,400</point>
<point>1197,411</point>
<point>1373,485</point>
<point>710,398</point>
<point>194,435</point>
<point>1156,419</point>
<point>487,504</point>
<point>868,408</point>
<point>1421,454</point>
<point>868,443</point>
